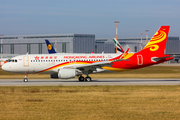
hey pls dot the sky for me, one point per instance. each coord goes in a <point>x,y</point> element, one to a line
<point>36,17</point>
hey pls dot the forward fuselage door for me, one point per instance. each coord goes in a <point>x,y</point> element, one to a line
<point>26,61</point>
<point>139,59</point>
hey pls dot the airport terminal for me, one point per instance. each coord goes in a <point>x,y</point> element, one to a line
<point>77,43</point>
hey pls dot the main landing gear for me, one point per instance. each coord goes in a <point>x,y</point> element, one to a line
<point>25,78</point>
<point>82,79</point>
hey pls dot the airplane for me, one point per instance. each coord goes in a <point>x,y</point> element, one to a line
<point>119,48</point>
<point>50,47</point>
<point>70,65</point>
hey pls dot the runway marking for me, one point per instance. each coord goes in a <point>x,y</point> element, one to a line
<point>75,82</point>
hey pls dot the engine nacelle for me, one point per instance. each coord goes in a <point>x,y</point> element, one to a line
<point>66,74</point>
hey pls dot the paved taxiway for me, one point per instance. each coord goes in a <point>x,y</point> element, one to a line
<point>74,82</point>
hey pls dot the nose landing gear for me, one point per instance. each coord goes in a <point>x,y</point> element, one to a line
<point>25,78</point>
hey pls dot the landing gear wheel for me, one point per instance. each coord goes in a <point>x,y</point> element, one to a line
<point>81,79</point>
<point>88,79</point>
<point>25,80</point>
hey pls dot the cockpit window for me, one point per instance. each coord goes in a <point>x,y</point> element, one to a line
<point>12,60</point>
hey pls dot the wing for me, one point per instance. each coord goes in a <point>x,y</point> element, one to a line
<point>89,68</point>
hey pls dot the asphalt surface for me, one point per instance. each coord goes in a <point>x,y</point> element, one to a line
<point>75,82</point>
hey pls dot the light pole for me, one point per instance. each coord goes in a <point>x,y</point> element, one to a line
<point>56,43</point>
<point>141,40</point>
<point>147,36</point>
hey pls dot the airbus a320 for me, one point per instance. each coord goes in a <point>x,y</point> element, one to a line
<point>68,65</point>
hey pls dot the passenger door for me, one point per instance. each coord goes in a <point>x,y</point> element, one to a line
<point>26,61</point>
<point>139,59</point>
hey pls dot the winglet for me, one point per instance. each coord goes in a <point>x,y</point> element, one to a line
<point>50,47</point>
<point>125,54</point>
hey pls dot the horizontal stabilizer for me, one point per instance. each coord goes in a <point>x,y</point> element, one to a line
<point>156,59</point>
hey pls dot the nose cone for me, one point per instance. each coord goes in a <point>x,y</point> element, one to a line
<point>5,67</point>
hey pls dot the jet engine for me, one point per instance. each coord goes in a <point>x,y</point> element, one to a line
<point>66,73</point>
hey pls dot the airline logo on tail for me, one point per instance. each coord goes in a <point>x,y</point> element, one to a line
<point>50,47</point>
<point>119,48</point>
<point>158,37</point>
<point>158,41</point>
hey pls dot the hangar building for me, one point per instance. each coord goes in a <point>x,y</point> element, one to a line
<point>106,45</point>
<point>77,43</point>
<point>35,44</point>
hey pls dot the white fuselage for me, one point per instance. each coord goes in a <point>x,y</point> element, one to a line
<point>50,63</point>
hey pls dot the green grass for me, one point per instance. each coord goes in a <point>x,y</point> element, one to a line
<point>90,102</point>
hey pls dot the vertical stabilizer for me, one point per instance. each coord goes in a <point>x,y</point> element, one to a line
<point>50,47</point>
<point>157,44</point>
<point>119,48</point>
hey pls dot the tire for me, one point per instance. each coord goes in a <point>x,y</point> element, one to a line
<point>25,80</point>
<point>81,79</point>
<point>88,79</point>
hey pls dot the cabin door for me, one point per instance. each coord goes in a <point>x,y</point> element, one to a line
<point>139,59</point>
<point>26,61</point>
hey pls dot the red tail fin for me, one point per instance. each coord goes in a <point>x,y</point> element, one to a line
<point>157,44</point>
